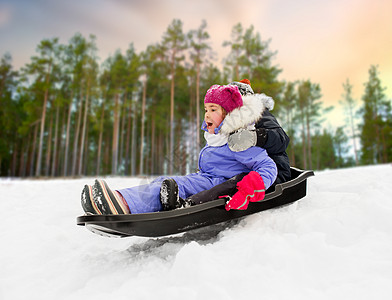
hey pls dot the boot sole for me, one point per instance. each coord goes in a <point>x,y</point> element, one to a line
<point>170,186</point>
<point>88,204</point>
<point>109,202</point>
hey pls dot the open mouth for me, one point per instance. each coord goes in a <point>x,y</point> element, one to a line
<point>209,124</point>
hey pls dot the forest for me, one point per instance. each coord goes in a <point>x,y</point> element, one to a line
<point>64,114</point>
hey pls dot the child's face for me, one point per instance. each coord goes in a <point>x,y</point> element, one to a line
<point>213,116</point>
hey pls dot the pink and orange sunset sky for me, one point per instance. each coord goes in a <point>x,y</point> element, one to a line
<point>324,41</point>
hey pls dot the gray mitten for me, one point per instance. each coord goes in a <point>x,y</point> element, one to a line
<point>242,139</point>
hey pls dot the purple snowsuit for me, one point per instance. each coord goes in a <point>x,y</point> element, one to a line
<point>217,163</point>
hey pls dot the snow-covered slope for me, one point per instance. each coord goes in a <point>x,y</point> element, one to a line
<point>336,243</point>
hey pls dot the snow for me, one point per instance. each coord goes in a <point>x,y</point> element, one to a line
<point>336,243</point>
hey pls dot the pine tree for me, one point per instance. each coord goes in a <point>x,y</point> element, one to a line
<point>340,141</point>
<point>310,112</point>
<point>101,113</point>
<point>157,86</point>
<point>174,42</point>
<point>323,154</point>
<point>118,72</point>
<point>199,47</point>
<point>289,119</point>
<point>90,73</point>
<point>79,57</point>
<point>9,112</point>
<point>349,105</point>
<point>133,87</point>
<point>251,58</point>
<point>43,68</point>
<point>236,49</point>
<point>376,127</point>
<point>257,65</point>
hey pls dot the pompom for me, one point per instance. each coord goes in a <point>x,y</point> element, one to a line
<point>246,81</point>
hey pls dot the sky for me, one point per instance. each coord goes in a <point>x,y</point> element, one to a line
<point>326,42</point>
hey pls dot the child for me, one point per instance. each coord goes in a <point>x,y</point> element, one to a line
<point>268,135</point>
<point>225,111</point>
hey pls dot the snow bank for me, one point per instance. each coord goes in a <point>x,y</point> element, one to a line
<point>336,243</point>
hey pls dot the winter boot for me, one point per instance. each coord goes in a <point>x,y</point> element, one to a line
<point>88,204</point>
<point>108,201</point>
<point>169,194</point>
<point>170,198</point>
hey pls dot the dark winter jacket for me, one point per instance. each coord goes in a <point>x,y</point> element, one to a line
<point>276,144</point>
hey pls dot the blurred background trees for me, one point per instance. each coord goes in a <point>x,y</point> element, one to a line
<point>65,114</point>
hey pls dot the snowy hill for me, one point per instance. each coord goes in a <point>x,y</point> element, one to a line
<point>336,243</point>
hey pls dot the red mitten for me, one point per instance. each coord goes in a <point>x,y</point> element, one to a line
<point>250,188</point>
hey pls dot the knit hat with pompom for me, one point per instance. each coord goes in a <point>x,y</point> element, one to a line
<point>243,86</point>
<point>227,96</point>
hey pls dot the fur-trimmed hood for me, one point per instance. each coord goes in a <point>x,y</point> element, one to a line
<point>248,114</point>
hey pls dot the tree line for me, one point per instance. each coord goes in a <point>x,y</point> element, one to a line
<point>64,114</point>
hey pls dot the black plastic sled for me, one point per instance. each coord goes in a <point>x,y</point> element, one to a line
<point>180,220</point>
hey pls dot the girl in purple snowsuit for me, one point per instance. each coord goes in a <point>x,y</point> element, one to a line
<point>225,111</point>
